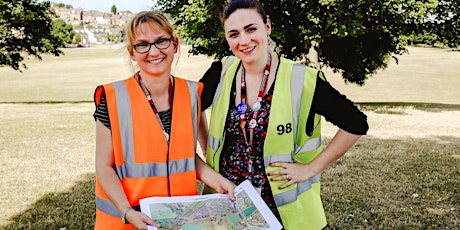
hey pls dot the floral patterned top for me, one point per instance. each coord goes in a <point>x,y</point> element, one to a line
<point>235,157</point>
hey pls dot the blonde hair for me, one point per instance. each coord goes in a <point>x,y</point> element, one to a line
<point>155,19</point>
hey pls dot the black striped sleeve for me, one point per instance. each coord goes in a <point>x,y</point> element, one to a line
<point>102,114</point>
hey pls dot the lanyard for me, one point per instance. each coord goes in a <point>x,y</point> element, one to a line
<point>150,99</point>
<point>242,107</point>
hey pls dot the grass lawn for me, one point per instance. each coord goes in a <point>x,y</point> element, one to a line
<point>403,175</point>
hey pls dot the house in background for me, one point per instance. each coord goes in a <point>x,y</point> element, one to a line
<point>93,26</point>
<point>96,35</point>
<point>117,32</point>
<point>83,35</point>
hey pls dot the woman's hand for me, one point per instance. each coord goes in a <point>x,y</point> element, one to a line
<point>213,179</point>
<point>292,172</point>
<point>139,220</point>
<point>225,186</point>
<point>297,172</point>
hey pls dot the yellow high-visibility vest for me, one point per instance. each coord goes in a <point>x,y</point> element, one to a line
<point>299,205</point>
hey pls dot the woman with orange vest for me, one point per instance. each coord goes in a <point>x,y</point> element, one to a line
<point>147,130</point>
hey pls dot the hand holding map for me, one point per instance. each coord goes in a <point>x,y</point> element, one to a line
<point>213,211</point>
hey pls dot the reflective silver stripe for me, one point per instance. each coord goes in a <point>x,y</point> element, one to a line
<point>277,158</point>
<point>125,120</point>
<point>213,142</point>
<point>107,207</point>
<point>311,144</point>
<point>291,195</point>
<point>218,90</point>
<point>130,169</point>
<point>193,90</point>
<point>155,169</point>
<point>228,62</point>
<point>175,167</point>
<point>180,166</point>
<point>141,170</point>
<point>297,79</point>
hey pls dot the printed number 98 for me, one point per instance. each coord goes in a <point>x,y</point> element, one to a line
<point>284,128</point>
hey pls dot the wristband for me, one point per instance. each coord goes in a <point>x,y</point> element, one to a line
<point>123,215</point>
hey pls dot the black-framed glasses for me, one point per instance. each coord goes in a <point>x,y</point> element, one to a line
<point>160,44</point>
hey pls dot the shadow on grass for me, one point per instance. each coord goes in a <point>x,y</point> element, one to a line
<point>46,102</point>
<point>74,209</point>
<point>378,184</point>
<point>378,107</point>
<point>397,107</point>
<point>409,183</point>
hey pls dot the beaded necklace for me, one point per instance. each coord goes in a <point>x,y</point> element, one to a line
<point>242,108</point>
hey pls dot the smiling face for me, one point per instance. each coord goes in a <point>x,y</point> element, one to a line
<point>155,62</point>
<point>247,35</point>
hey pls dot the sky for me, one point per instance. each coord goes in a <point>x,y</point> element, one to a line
<point>105,5</point>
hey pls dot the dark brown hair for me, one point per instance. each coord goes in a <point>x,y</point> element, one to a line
<point>243,4</point>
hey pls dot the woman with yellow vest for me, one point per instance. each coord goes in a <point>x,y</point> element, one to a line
<point>265,120</point>
<point>147,130</point>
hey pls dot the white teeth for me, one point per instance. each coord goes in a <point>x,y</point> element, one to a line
<point>156,61</point>
<point>248,49</point>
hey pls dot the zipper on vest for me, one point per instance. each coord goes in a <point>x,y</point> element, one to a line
<point>167,173</point>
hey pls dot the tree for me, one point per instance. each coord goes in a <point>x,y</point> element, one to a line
<point>25,29</point>
<point>355,38</point>
<point>62,30</point>
<point>76,39</point>
<point>445,23</point>
<point>113,10</point>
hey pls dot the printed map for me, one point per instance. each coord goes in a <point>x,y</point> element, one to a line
<point>214,211</point>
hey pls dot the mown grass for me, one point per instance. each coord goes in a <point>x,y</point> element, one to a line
<point>46,149</point>
<point>379,184</point>
<point>71,209</point>
<point>395,184</point>
<point>391,179</point>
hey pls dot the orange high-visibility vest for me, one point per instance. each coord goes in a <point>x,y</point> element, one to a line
<point>144,162</point>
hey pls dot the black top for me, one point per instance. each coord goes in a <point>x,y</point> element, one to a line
<point>327,102</point>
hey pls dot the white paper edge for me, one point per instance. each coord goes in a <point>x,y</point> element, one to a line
<point>246,186</point>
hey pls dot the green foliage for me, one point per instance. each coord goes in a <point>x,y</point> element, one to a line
<point>62,30</point>
<point>25,29</point>
<point>76,39</point>
<point>423,38</point>
<point>353,37</point>
<point>115,37</point>
<point>198,21</point>
<point>111,37</point>
<point>445,23</point>
<point>440,28</point>
<point>62,5</point>
<point>113,10</point>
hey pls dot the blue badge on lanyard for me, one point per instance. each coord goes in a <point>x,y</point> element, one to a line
<point>241,108</point>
